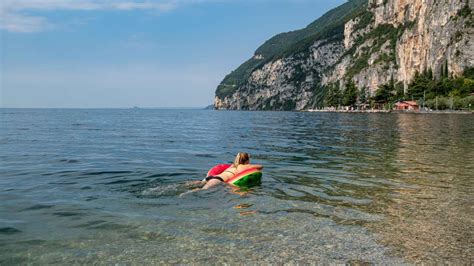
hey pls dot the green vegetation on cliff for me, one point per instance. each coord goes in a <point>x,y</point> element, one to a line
<point>444,92</point>
<point>329,26</point>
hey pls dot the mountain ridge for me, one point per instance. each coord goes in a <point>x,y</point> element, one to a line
<point>283,41</point>
<point>367,42</point>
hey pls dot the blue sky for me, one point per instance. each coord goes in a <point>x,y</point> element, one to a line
<point>113,54</point>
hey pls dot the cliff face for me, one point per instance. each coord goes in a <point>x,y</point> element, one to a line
<point>437,34</point>
<point>288,83</point>
<point>388,39</point>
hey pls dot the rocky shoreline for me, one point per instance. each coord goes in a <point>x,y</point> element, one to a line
<point>390,111</point>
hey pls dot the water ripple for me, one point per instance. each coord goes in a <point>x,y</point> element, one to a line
<point>104,186</point>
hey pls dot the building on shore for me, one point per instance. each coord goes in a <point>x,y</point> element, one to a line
<point>407,105</point>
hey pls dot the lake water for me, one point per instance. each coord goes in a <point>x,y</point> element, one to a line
<point>88,186</point>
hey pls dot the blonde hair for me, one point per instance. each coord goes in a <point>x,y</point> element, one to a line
<point>241,158</point>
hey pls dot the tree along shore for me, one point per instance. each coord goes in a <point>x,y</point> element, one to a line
<point>442,92</point>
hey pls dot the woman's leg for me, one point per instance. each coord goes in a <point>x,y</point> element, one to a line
<point>212,183</point>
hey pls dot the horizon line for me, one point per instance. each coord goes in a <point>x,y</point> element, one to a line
<point>133,107</point>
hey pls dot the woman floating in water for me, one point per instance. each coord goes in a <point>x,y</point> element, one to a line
<point>241,164</point>
<point>240,174</point>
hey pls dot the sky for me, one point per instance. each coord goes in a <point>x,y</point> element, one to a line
<point>123,53</point>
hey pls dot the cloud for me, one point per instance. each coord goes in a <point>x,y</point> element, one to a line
<point>15,15</point>
<point>14,22</point>
<point>24,16</point>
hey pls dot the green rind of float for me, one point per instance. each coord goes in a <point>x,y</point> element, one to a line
<point>253,179</point>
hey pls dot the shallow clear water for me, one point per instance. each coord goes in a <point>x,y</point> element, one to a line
<point>83,186</point>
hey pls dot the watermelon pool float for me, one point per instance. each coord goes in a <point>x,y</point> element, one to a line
<point>247,178</point>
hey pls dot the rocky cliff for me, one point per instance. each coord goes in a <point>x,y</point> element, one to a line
<point>368,42</point>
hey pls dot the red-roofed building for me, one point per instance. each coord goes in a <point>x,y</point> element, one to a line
<point>407,105</point>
